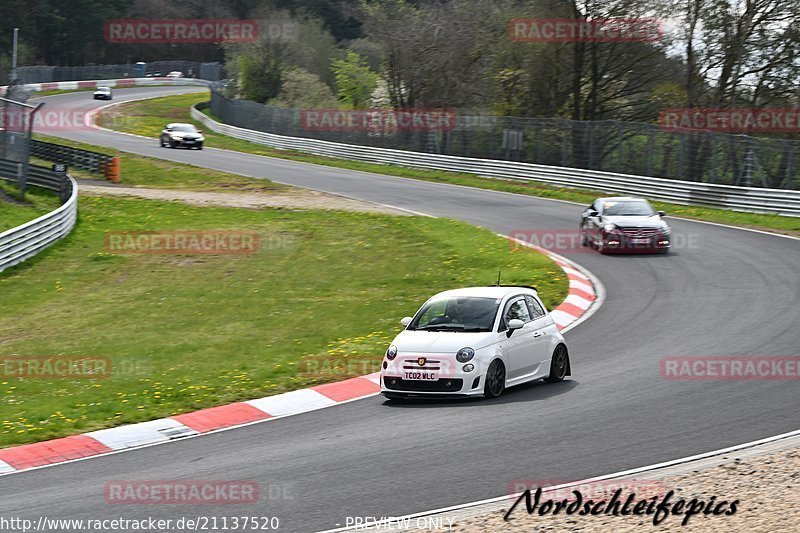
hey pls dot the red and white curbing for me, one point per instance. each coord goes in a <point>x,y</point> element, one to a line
<point>580,299</point>
<point>189,424</point>
<point>585,295</point>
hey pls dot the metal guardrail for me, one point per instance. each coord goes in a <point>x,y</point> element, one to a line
<point>27,240</point>
<point>750,199</point>
<point>635,148</point>
<point>117,83</point>
<point>75,157</point>
<point>48,73</point>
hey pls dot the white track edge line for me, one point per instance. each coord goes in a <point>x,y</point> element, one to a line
<point>619,474</point>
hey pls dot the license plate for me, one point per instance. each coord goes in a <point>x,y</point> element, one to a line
<point>420,376</point>
<point>640,241</point>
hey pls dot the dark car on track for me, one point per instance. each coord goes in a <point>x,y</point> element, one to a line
<point>624,224</point>
<point>177,135</point>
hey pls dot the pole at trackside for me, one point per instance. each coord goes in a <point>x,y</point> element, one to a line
<point>13,73</point>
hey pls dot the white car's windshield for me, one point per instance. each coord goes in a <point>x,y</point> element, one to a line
<point>456,314</point>
<point>628,208</point>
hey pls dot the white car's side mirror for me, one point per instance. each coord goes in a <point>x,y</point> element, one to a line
<point>515,323</point>
<point>405,321</point>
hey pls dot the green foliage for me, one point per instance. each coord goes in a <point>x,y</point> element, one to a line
<point>56,32</point>
<point>355,81</point>
<point>669,95</point>
<point>302,89</point>
<point>261,77</point>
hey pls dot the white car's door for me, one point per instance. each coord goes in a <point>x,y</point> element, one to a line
<point>543,328</point>
<point>517,346</point>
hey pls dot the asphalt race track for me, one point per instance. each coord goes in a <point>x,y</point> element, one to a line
<point>730,292</point>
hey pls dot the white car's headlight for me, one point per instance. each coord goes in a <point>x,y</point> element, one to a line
<point>610,228</point>
<point>465,354</point>
<point>391,353</point>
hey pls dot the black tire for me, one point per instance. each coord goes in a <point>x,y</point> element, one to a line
<point>559,365</point>
<point>584,238</point>
<point>495,379</point>
<point>172,144</point>
<point>199,146</point>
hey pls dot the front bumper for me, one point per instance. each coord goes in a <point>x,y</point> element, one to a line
<point>626,243</point>
<point>187,143</point>
<point>452,382</point>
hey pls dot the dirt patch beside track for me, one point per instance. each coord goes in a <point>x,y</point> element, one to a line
<point>293,198</point>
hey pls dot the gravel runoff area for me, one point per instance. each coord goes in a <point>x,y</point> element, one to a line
<point>762,478</point>
<point>767,488</point>
<point>292,198</point>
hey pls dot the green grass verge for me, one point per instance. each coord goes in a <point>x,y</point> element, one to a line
<point>184,332</point>
<point>147,117</point>
<point>14,210</point>
<point>141,171</point>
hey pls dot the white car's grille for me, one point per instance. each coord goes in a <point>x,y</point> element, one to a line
<point>429,364</point>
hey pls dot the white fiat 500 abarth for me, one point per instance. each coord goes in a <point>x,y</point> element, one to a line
<point>474,341</point>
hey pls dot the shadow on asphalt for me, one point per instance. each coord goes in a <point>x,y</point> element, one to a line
<point>527,392</point>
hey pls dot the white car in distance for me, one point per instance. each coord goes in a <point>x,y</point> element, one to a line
<point>102,93</point>
<point>474,341</point>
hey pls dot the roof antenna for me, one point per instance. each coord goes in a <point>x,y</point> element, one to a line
<point>498,278</point>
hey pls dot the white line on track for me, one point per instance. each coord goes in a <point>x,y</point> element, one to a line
<point>792,439</point>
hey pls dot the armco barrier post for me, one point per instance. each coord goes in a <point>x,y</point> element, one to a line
<point>112,170</point>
